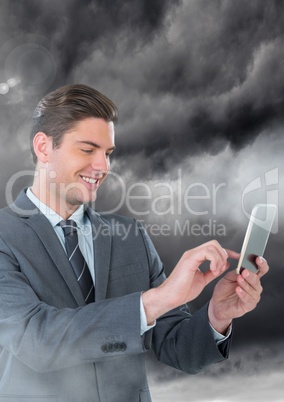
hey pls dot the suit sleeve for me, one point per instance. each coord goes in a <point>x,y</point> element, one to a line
<point>180,339</point>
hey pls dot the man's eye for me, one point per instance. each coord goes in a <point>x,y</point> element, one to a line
<point>87,151</point>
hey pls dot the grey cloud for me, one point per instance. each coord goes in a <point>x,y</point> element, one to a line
<point>214,78</point>
<point>74,29</point>
<point>220,85</point>
<point>188,77</point>
<point>251,374</point>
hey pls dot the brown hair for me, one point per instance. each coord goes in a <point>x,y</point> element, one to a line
<point>61,109</point>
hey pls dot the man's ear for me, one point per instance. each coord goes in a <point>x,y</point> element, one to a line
<point>42,144</point>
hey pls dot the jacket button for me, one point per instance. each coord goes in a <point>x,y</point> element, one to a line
<point>116,347</point>
<point>104,348</point>
<point>110,347</point>
<point>123,346</point>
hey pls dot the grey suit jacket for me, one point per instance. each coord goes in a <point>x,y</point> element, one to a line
<point>55,348</point>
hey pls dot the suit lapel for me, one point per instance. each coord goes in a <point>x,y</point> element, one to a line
<point>40,224</point>
<point>101,241</point>
<point>102,252</point>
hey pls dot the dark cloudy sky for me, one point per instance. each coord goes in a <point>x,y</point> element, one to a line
<point>200,89</point>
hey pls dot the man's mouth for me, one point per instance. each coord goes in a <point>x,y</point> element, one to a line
<point>90,180</point>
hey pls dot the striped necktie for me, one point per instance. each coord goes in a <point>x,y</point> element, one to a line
<point>77,260</point>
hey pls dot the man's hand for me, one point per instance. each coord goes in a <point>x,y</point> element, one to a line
<point>186,281</point>
<point>235,295</point>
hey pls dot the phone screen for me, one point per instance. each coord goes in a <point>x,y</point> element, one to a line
<point>256,237</point>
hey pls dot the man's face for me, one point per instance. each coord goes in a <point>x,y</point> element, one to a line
<point>77,168</point>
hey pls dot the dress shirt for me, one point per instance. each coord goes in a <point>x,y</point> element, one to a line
<point>84,229</point>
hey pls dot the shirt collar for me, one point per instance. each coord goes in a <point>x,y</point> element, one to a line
<point>52,216</point>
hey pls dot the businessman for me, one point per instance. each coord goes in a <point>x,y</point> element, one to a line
<point>79,311</point>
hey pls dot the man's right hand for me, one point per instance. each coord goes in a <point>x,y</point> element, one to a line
<point>186,281</point>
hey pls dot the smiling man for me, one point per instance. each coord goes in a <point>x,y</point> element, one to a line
<point>81,302</point>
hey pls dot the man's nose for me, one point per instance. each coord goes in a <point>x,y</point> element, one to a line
<point>100,162</point>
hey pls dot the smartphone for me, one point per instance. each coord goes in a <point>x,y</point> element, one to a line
<point>256,237</point>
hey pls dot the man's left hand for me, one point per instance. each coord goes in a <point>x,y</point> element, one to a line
<point>235,294</point>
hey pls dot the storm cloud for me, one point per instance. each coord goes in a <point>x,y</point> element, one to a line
<point>188,77</point>
<point>256,375</point>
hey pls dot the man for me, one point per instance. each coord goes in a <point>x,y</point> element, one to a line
<point>68,336</point>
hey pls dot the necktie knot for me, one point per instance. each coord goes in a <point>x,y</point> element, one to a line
<point>69,227</point>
